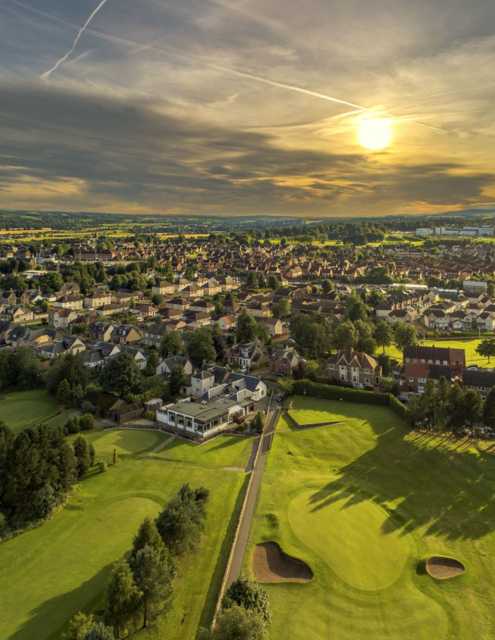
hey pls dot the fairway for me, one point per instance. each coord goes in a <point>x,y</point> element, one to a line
<point>52,571</point>
<point>21,409</point>
<point>364,503</point>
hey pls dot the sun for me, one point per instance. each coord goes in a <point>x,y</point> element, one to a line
<point>375,134</point>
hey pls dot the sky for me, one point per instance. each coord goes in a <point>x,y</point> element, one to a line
<point>247,106</point>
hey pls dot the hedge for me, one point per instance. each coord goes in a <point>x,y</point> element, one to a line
<point>333,392</point>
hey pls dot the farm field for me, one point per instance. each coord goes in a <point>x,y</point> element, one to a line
<point>63,566</point>
<point>468,344</point>
<point>364,502</point>
<point>21,409</point>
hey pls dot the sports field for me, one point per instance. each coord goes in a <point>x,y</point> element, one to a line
<point>468,344</point>
<point>363,502</point>
<point>50,572</point>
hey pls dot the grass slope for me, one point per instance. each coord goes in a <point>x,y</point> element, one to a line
<point>363,502</point>
<point>50,572</point>
<point>21,409</point>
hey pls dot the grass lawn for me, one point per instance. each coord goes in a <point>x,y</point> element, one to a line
<point>21,409</point>
<point>468,344</point>
<point>50,572</point>
<point>363,502</point>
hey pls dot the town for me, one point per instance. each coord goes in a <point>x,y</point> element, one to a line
<point>215,363</point>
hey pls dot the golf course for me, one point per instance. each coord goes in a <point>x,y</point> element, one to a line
<point>50,572</point>
<point>363,503</point>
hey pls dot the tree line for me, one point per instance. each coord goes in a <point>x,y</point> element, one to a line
<point>445,406</point>
<point>37,469</point>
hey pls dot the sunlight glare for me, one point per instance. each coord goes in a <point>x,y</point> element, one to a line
<point>375,134</point>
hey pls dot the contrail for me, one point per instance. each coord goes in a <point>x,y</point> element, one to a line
<point>289,87</point>
<point>137,47</point>
<point>64,58</point>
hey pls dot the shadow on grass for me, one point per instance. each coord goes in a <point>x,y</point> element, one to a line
<point>221,565</point>
<point>49,619</point>
<point>448,492</point>
<point>226,442</point>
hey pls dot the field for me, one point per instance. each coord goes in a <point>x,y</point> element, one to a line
<point>50,572</point>
<point>468,344</point>
<point>363,502</point>
<point>21,409</point>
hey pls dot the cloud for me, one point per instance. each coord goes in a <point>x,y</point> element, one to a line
<point>209,105</point>
<point>74,149</point>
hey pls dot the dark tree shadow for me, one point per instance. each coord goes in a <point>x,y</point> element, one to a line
<point>48,620</point>
<point>446,489</point>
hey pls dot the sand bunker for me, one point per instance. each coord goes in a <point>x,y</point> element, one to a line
<point>442,568</point>
<point>271,564</point>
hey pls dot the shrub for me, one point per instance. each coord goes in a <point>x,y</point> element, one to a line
<point>87,422</point>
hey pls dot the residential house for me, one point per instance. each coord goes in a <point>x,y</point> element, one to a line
<point>98,299</point>
<point>246,355</point>
<point>355,368</point>
<point>453,358</point>
<point>167,365</point>
<point>126,334</point>
<point>483,380</point>
<point>283,362</point>
<point>62,318</point>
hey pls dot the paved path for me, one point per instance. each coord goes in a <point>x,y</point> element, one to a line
<point>240,545</point>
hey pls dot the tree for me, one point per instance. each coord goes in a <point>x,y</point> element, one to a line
<point>64,393</point>
<point>258,422</point>
<point>367,344</point>
<point>249,595</point>
<point>99,631</point>
<point>147,535</point>
<point>181,522</point>
<point>79,626</point>
<point>153,572</point>
<point>176,381</point>
<point>200,347</point>
<point>70,368</point>
<point>237,623</point>
<point>465,407</point>
<point>87,422</point>
<point>171,344</point>
<point>121,375</point>
<point>345,335</point>
<point>247,326</point>
<point>383,334</point>
<point>365,341</point>
<point>405,335</point>
<point>123,599</point>
<point>356,308</point>
<point>486,349</point>
<point>281,309</point>
<point>311,333</point>
<point>489,408</point>
<point>43,501</point>
<point>83,456</point>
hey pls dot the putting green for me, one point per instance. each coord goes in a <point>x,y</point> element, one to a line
<point>349,538</point>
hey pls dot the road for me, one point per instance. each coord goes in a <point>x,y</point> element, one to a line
<point>240,544</point>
